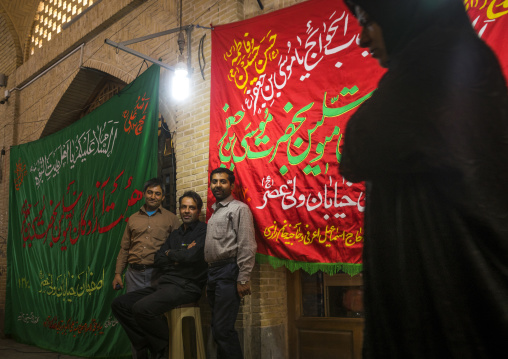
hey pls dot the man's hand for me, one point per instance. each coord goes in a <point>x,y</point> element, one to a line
<point>117,282</point>
<point>243,289</point>
<point>191,245</point>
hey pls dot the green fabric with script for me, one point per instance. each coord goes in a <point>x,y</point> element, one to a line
<point>71,194</point>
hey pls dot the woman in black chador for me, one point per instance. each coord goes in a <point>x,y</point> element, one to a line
<point>432,146</point>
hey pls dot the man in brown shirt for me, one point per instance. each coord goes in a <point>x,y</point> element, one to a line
<point>145,233</point>
<point>184,273</point>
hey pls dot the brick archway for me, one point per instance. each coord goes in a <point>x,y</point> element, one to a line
<point>88,90</point>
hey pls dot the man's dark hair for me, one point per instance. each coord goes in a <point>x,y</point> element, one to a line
<point>153,183</point>
<point>231,175</point>
<point>196,197</point>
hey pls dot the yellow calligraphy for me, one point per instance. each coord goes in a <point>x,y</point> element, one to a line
<point>248,58</point>
<point>290,233</point>
<point>495,8</point>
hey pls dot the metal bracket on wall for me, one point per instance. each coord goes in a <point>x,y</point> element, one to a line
<point>123,46</point>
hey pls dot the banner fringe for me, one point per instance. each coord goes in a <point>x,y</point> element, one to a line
<point>311,268</point>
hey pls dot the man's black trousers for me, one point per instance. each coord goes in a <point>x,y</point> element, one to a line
<point>141,313</point>
<point>222,294</point>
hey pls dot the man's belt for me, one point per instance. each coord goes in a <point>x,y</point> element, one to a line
<point>222,262</point>
<point>140,267</point>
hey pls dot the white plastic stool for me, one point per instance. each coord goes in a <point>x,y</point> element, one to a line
<point>175,317</point>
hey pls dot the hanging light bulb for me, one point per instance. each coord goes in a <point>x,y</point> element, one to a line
<point>180,78</point>
<point>180,85</point>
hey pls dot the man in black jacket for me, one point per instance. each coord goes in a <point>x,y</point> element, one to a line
<point>184,275</point>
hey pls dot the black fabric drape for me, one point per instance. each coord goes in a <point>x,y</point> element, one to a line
<point>432,146</point>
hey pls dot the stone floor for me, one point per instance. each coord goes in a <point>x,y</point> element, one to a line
<point>11,349</point>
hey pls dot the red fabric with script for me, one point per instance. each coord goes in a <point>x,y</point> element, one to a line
<point>283,87</point>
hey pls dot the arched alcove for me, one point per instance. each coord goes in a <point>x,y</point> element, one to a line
<point>89,89</point>
<point>10,56</point>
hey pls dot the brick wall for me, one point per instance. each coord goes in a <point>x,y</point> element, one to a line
<point>262,319</point>
<point>6,132</point>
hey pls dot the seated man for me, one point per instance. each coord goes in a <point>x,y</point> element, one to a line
<point>184,273</point>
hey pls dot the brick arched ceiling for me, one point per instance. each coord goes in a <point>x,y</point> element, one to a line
<point>16,19</point>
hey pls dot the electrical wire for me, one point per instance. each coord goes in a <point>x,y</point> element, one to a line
<point>204,12</point>
<point>139,71</point>
<point>173,165</point>
<point>52,89</point>
<point>122,28</point>
<point>172,37</point>
<point>88,59</point>
<point>201,54</point>
<point>181,10</point>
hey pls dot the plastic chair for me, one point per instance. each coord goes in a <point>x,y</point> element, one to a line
<point>175,317</point>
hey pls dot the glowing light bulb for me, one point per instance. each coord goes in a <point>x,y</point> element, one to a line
<point>180,86</point>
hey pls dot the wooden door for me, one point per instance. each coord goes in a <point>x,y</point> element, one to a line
<point>325,316</point>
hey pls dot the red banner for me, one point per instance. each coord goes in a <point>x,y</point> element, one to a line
<point>490,20</point>
<point>283,87</point>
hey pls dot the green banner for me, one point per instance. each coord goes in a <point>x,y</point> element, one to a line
<point>71,195</point>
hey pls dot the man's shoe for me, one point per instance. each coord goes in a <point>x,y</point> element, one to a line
<point>163,354</point>
<point>141,354</point>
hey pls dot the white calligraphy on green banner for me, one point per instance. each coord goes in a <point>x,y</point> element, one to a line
<point>71,194</point>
